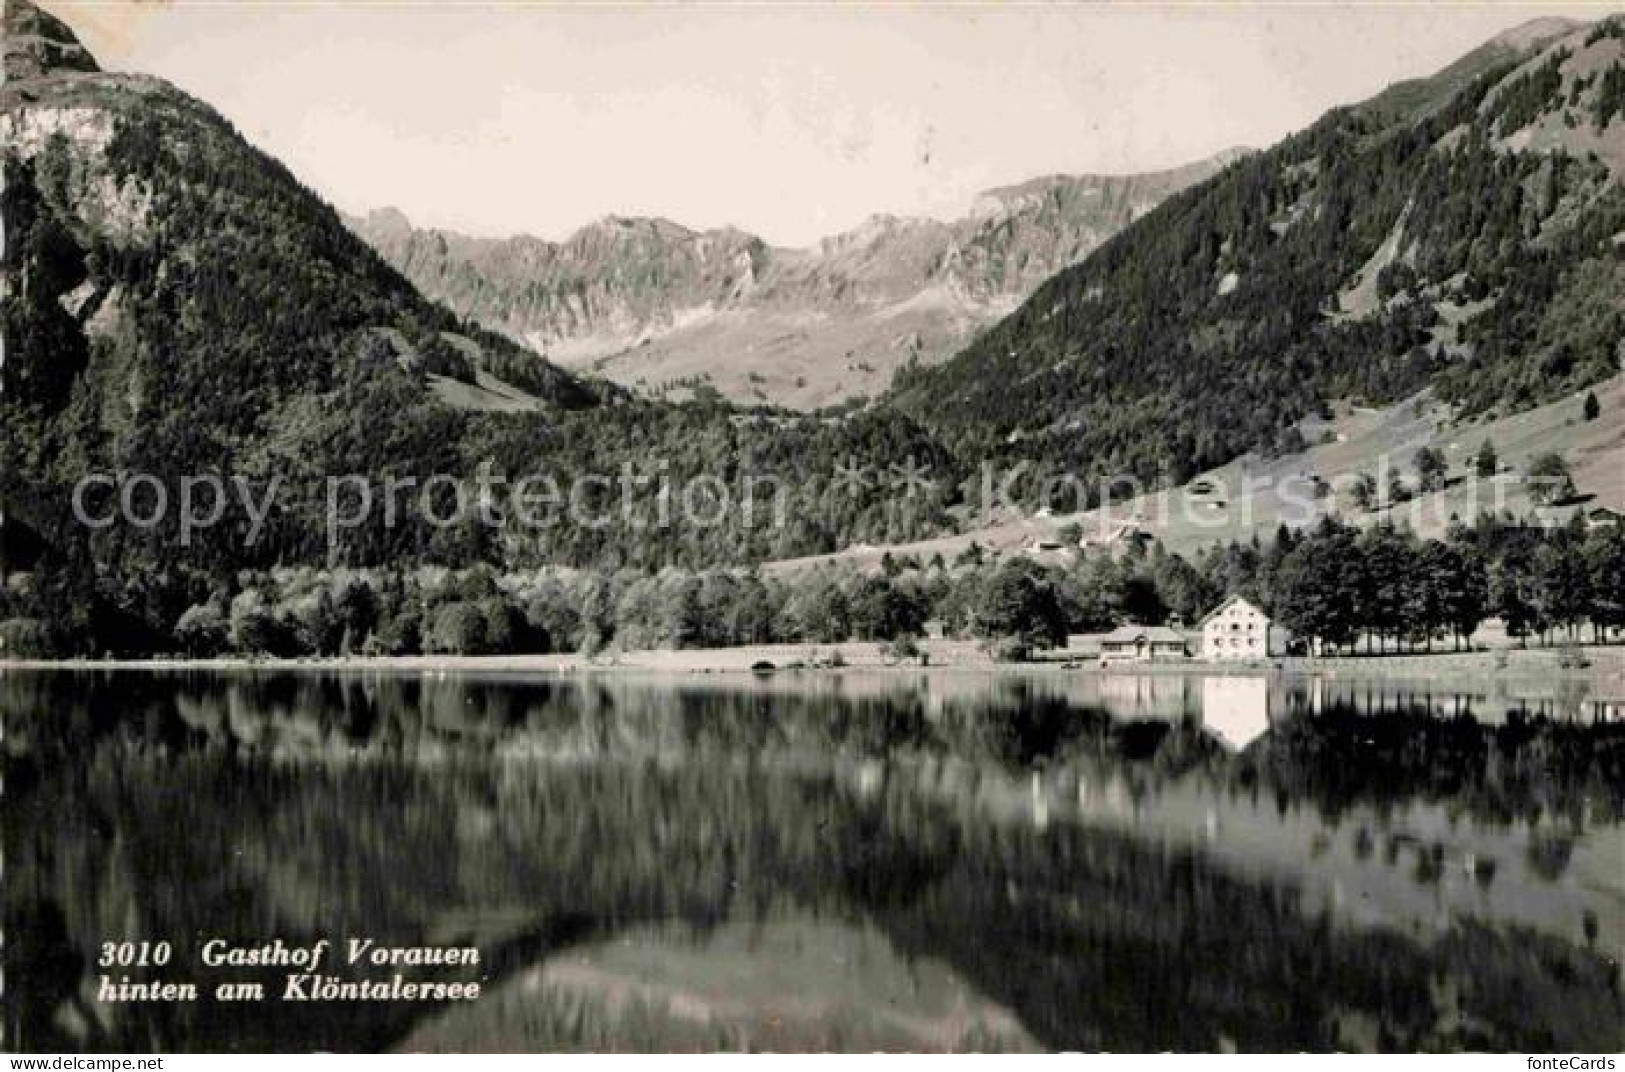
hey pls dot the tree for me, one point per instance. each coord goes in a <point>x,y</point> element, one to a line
<point>1386,559</point>
<point>202,630</point>
<point>552,618</point>
<point>1182,590</point>
<point>1235,569</point>
<point>1448,593</point>
<point>1486,462</point>
<point>599,596</point>
<point>474,584</point>
<point>399,633</point>
<point>1511,598</point>
<point>1139,599</point>
<point>1562,583</point>
<point>751,615</point>
<point>501,625</point>
<point>1592,407</point>
<point>1549,479</point>
<point>1468,598</point>
<point>1364,491</point>
<point>881,610</point>
<point>1398,490</point>
<point>1319,587</point>
<point>1605,564</point>
<point>357,606</point>
<point>254,630</point>
<point>905,648</point>
<point>683,621</point>
<point>1020,601</point>
<point>316,625</point>
<point>459,629</point>
<point>25,638</point>
<point>819,609</point>
<point>1432,470</point>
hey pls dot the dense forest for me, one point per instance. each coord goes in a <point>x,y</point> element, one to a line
<point>1373,254</point>
<point>1336,585</point>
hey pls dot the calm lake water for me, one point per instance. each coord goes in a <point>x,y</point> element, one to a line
<point>932,860</point>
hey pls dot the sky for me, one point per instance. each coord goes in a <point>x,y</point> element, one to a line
<point>793,122</point>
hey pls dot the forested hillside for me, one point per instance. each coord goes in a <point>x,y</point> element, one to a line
<point>177,304</point>
<point>1463,231</point>
<point>177,299</point>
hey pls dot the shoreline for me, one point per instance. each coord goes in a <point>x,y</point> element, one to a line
<point>1604,672</point>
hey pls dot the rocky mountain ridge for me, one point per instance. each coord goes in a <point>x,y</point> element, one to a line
<point>661,307</point>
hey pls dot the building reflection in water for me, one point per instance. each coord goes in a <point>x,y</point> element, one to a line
<point>1054,846</point>
<point>1236,710</point>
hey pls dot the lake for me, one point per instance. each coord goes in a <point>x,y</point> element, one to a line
<point>932,860</point>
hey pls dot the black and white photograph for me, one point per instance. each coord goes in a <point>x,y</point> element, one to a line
<point>812,527</point>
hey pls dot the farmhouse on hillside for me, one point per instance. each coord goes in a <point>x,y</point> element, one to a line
<point>1124,535</point>
<point>1142,643</point>
<point>1238,630</point>
<point>1052,551</point>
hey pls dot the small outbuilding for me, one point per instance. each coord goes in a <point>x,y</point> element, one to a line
<point>1143,643</point>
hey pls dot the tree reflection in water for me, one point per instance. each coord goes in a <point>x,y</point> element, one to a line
<point>1102,876</point>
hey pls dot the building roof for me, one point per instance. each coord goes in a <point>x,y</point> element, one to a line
<point>1226,604</point>
<point>1122,532</point>
<point>1155,634</point>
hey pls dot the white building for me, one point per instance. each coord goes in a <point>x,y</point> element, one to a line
<point>1236,630</point>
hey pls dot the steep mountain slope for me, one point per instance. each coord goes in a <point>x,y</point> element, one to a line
<point>1466,231</point>
<point>657,306</point>
<point>175,302</point>
<point>128,171</point>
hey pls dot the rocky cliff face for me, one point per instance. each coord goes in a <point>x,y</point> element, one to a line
<point>667,309</point>
<point>38,44</point>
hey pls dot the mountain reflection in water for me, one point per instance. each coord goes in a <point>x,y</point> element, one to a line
<point>827,861</point>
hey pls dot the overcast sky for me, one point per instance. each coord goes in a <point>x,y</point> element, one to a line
<point>790,122</point>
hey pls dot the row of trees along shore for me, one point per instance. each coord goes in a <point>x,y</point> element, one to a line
<point>1348,589</point>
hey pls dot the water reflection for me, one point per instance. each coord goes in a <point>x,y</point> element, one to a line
<point>1236,710</point>
<point>1076,861</point>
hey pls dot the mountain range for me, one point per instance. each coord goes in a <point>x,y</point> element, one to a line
<point>664,309</point>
